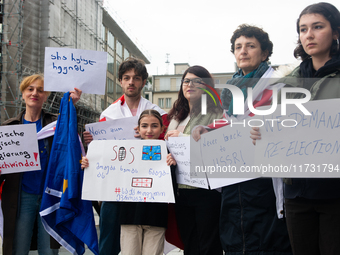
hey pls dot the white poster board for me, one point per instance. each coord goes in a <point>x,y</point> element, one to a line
<point>131,171</point>
<point>19,150</point>
<point>310,149</point>
<point>227,154</point>
<point>66,69</point>
<point>119,129</point>
<point>185,149</point>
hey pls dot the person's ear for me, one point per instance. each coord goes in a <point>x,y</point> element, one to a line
<point>264,55</point>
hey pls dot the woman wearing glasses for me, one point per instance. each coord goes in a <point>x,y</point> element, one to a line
<point>197,210</point>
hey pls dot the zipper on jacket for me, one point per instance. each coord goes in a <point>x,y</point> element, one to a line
<point>243,239</point>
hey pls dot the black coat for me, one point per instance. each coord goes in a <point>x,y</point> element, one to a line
<point>249,222</point>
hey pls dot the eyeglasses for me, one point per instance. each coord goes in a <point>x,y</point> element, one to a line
<point>195,82</point>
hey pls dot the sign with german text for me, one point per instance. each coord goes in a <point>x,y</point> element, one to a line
<point>19,149</point>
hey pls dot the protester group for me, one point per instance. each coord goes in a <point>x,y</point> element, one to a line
<point>238,219</point>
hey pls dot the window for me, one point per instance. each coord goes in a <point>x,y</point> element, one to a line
<point>168,103</point>
<point>103,33</point>
<point>119,49</point>
<point>161,102</point>
<point>117,67</point>
<point>102,104</point>
<point>164,84</point>
<point>109,86</point>
<point>217,81</point>
<point>119,91</point>
<point>111,40</point>
<point>178,83</point>
<point>110,63</point>
<point>126,53</point>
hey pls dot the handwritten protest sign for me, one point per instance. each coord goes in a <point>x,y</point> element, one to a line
<point>119,129</point>
<point>183,152</point>
<point>19,149</point>
<point>299,145</point>
<point>227,152</point>
<point>67,68</point>
<point>132,171</point>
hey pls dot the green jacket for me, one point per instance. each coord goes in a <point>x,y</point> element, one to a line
<point>322,88</point>
<point>327,87</point>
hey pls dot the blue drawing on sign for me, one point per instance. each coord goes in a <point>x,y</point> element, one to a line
<point>151,152</point>
<point>61,69</point>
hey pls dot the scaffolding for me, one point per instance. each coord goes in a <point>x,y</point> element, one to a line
<point>11,57</point>
<point>26,28</point>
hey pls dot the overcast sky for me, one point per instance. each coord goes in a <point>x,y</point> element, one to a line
<point>198,32</point>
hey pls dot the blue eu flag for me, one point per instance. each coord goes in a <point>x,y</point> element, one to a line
<point>66,217</point>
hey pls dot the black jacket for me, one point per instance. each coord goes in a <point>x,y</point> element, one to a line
<point>249,223</point>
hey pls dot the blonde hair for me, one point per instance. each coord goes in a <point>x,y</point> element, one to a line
<point>29,80</point>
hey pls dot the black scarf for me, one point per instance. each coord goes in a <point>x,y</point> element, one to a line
<point>307,70</point>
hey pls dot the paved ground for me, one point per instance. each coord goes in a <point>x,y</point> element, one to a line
<point>63,251</point>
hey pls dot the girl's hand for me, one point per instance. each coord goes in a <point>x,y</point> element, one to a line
<point>75,95</point>
<point>170,160</point>
<point>84,162</point>
<point>172,133</point>
<point>137,135</point>
<point>255,134</point>
<point>87,137</point>
<point>197,132</point>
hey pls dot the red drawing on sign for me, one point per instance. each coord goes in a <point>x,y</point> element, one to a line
<point>115,152</point>
<point>133,156</point>
<point>35,156</point>
<point>142,182</point>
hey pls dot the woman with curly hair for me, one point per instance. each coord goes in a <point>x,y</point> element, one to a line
<point>248,222</point>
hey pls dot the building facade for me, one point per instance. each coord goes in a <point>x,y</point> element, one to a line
<point>27,27</point>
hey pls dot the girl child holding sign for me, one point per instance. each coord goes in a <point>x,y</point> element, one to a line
<point>143,225</point>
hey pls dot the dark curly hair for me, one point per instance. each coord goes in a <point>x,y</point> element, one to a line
<point>133,63</point>
<point>331,13</point>
<point>180,109</point>
<point>253,31</point>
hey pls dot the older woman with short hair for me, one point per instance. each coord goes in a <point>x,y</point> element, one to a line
<point>248,222</point>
